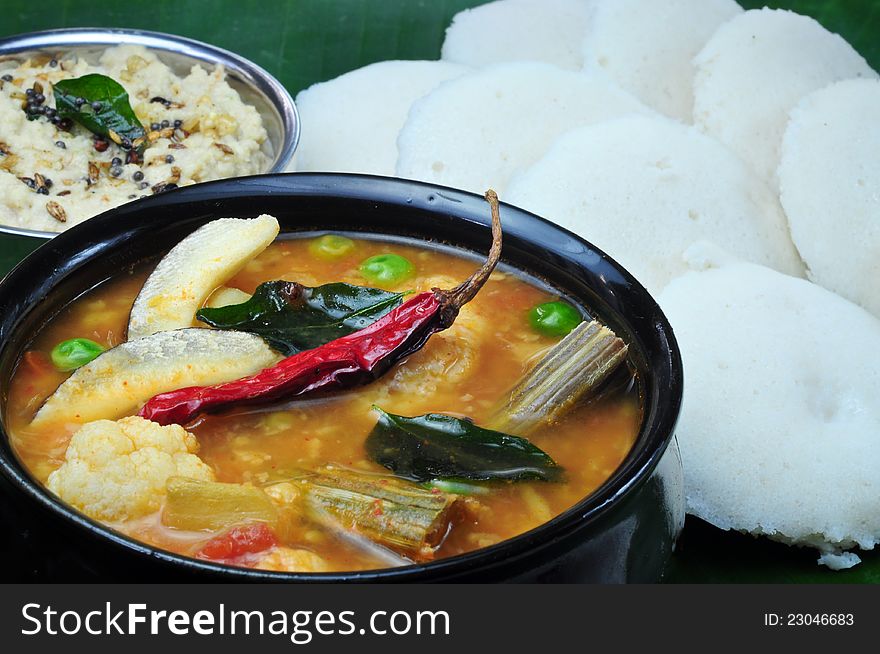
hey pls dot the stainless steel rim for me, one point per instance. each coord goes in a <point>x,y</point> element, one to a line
<point>278,99</point>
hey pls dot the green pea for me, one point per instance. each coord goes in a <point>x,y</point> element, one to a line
<point>554,318</point>
<point>71,354</point>
<point>386,269</point>
<point>331,246</point>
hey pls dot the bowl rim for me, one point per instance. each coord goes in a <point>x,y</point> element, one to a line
<point>278,97</point>
<point>657,429</point>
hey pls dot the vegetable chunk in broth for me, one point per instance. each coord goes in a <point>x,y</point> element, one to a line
<point>401,468</point>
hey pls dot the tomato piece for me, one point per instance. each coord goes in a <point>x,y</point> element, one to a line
<point>238,541</point>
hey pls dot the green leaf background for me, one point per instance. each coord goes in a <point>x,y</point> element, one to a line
<point>306,41</point>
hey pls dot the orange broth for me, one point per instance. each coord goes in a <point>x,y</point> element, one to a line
<point>467,371</point>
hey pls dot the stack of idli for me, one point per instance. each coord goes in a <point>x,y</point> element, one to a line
<point>518,30</point>
<point>643,189</point>
<point>659,130</point>
<point>755,69</point>
<point>350,124</point>
<point>830,182</point>
<point>648,47</point>
<point>479,130</point>
<point>780,426</point>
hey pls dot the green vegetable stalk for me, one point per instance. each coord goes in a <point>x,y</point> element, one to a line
<point>570,372</point>
<point>400,515</point>
<point>458,487</point>
<point>196,505</point>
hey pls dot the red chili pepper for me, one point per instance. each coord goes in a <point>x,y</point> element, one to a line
<point>238,541</point>
<point>345,362</point>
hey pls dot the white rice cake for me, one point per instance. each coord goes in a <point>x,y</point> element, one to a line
<point>780,428</point>
<point>350,123</point>
<point>518,30</point>
<point>644,189</point>
<point>830,182</point>
<point>479,130</point>
<point>192,269</point>
<point>755,69</point>
<point>647,46</point>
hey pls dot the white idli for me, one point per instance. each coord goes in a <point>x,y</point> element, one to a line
<point>518,30</point>
<point>644,189</point>
<point>647,46</point>
<point>350,123</point>
<point>780,427</point>
<point>830,181</point>
<point>755,69</point>
<point>478,130</point>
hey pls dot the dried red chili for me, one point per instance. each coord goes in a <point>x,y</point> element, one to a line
<point>345,362</point>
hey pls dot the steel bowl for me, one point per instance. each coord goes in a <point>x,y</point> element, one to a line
<point>622,532</point>
<point>255,86</point>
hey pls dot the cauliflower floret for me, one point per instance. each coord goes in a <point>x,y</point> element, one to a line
<point>286,559</point>
<point>116,470</point>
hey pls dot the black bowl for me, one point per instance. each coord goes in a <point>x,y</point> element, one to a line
<point>624,531</point>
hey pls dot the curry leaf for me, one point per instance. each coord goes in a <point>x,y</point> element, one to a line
<point>436,446</point>
<point>292,317</point>
<point>101,105</point>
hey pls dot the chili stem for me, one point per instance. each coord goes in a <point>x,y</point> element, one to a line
<point>457,297</point>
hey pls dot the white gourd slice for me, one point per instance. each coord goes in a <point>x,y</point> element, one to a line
<point>226,296</point>
<point>191,271</point>
<point>122,379</point>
